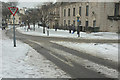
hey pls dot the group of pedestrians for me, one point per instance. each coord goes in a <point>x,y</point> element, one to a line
<point>72,28</point>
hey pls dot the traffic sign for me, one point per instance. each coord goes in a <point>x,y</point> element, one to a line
<point>13,10</point>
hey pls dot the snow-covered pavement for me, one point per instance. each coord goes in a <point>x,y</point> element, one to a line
<point>108,51</point>
<point>65,33</point>
<point>24,62</point>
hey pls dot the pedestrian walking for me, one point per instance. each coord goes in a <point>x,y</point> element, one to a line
<point>25,26</point>
<point>56,26</point>
<point>66,27</point>
<point>28,27</point>
<point>34,25</point>
<point>79,28</point>
<point>3,26</point>
<point>70,28</point>
<point>73,30</point>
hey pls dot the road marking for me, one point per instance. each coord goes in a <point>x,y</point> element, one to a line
<point>62,60</point>
<point>68,63</point>
<point>35,42</point>
<point>104,70</point>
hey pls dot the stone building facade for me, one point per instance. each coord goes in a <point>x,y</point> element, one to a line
<point>102,15</point>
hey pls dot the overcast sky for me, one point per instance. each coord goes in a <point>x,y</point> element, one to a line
<point>34,3</point>
<point>28,3</point>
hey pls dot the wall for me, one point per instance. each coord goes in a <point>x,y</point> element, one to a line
<point>98,11</point>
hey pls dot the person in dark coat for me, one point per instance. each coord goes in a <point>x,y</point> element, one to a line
<point>73,30</point>
<point>70,28</point>
<point>79,28</point>
<point>28,26</point>
<point>56,26</point>
<point>34,25</point>
<point>66,26</point>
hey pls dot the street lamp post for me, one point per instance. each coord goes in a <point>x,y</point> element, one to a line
<point>78,25</point>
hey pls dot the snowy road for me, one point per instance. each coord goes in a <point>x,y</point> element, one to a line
<point>75,63</point>
<point>24,62</point>
<point>64,35</point>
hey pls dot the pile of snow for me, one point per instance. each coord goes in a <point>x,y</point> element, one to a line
<point>24,62</point>
<point>107,51</point>
<point>65,33</point>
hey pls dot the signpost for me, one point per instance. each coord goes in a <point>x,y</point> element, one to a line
<point>13,10</point>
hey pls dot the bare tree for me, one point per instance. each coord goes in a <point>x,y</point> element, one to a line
<point>44,16</point>
<point>5,11</point>
<point>13,2</point>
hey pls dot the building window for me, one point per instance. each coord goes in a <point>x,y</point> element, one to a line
<point>73,22</point>
<point>68,22</point>
<point>117,9</point>
<point>73,11</point>
<point>87,10</point>
<point>86,24</point>
<point>94,23</point>
<point>80,11</point>
<point>69,12</point>
<point>64,22</point>
<point>64,12</point>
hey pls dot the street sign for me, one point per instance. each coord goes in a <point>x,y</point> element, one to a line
<point>13,10</point>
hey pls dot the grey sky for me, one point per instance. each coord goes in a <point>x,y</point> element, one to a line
<point>32,3</point>
<point>28,3</point>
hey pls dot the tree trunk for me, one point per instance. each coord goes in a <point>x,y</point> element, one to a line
<point>43,30</point>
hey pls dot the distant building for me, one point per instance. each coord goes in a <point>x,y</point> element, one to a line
<point>22,11</point>
<point>104,15</point>
<point>16,18</point>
